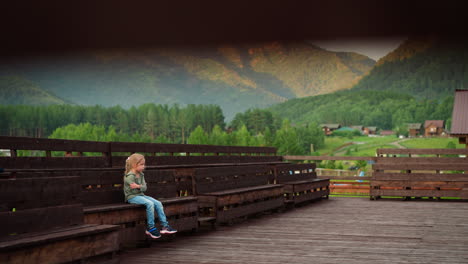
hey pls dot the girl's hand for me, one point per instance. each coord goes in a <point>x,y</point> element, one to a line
<point>134,186</point>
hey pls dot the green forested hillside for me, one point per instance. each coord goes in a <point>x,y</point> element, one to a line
<point>429,68</point>
<point>16,90</point>
<point>386,110</point>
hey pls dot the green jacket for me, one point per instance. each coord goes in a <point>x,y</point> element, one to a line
<point>129,178</point>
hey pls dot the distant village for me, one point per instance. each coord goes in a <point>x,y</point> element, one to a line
<point>429,129</point>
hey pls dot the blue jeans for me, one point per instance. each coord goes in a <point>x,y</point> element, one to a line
<point>151,204</point>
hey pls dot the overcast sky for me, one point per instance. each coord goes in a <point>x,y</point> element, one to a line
<point>374,48</point>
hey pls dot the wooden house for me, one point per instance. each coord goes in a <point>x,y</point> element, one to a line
<point>414,129</point>
<point>329,128</point>
<point>434,128</point>
<point>460,117</point>
<point>370,130</point>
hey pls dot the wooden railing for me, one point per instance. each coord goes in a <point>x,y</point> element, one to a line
<point>56,153</point>
<point>420,173</point>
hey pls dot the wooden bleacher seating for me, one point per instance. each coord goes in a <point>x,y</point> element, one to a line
<point>301,183</point>
<point>41,221</point>
<point>232,192</point>
<point>169,175</point>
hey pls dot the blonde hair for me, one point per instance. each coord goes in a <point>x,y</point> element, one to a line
<point>132,160</point>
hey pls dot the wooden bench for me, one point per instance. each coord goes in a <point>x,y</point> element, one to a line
<point>413,173</point>
<point>301,183</point>
<point>228,193</point>
<point>103,198</point>
<point>41,221</point>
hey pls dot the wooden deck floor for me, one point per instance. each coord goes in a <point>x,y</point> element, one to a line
<point>338,230</point>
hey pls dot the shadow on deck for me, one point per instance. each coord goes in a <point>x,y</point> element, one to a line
<point>338,230</point>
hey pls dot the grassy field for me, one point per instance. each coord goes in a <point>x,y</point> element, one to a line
<point>357,146</point>
<point>367,146</point>
<point>430,143</point>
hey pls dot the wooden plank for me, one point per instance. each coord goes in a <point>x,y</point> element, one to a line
<point>453,177</point>
<point>30,193</point>
<point>421,166</point>
<point>346,178</point>
<point>418,160</point>
<point>409,183</point>
<point>53,162</point>
<point>291,157</point>
<point>422,151</point>
<point>28,143</point>
<point>39,219</point>
<point>79,243</point>
<point>418,193</point>
<point>197,160</point>
<point>184,148</point>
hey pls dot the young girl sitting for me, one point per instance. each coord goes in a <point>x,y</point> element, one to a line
<point>134,186</point>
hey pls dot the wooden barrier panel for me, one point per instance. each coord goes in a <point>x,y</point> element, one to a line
<point>29,193</point>
<point>76,244</point>
<point>301,183</point>
<point>12,163</point>
<point>119,161</point>
<point>187,148</point>
<point>432,177</point>
<point>389,151</point>
<point>27,143</point>
<point>31,205</point>
<point>42,217</point>
<point>114,154</point>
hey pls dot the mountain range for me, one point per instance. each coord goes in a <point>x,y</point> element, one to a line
<point>236,77</point>
<point>414,83</point>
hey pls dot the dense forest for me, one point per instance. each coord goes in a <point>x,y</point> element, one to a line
<point>172,122</point>
<point>383,109</point>
<point>193,124</point>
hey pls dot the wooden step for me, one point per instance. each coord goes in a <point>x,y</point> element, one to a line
<point>61,245</point>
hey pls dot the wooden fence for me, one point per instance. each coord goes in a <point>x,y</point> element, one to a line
<point>420,173</point>
<point>402,173</point>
